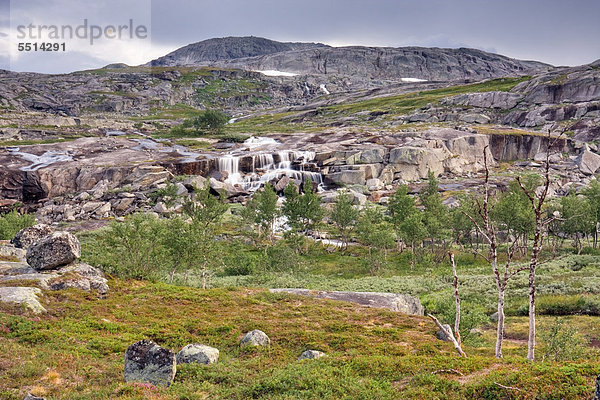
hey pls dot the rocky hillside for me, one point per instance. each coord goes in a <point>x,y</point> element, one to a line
<point>433,64</point>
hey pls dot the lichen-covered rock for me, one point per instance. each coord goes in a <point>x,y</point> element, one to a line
<point>27,236</point>
<point>12,253</point>
<point>197,353</point>
<point>255,338</point>
<point>82,276</point>
<point>311,355</point>
<point>53,251</point>
<point>22,295</point>
<point>145,361</point>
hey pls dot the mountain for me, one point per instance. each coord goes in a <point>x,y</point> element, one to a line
<point>385,63</point>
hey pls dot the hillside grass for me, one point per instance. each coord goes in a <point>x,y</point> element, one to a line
<point>75,351</point>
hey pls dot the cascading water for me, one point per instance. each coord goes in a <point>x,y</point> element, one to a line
<point>292,164</point>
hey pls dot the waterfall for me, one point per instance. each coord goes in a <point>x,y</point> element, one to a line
<point>291,163</point>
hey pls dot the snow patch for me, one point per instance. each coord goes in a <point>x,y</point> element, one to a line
<point>413,80</point>
<point>272,72</point>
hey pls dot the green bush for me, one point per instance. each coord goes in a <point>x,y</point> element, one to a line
<point>561,342</point>
<point>563,305</point>
<point>13,222</point>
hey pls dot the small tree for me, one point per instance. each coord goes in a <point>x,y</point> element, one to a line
<point>210,121</point>
<point>592,194</point>
<point>435,215</point>
<point>407,220</point>
<point>579,218</point>
<point>377,234</point>
<point>303,210</point>
<point>344,216</point>
<point>262,211</point>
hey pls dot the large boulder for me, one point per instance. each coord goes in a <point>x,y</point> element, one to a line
<point>346,177</point>
<point>255,338</point>
<point>27,236</point>
<point>26,296</point>
<point>53,251</point>
<point>392,301</point>
<point>197,353</point>
<point>147,362</point>
<point>588,162</point>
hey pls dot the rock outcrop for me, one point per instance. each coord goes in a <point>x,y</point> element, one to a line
<point>53,251</point>
<point>145,361</point>
<point>27,296</point>
<point>392,301</point>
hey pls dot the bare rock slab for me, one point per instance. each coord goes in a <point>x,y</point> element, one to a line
<point>27,236</point>
<point>23,295</point>
<point>311,355</point>
<point>53,251</point>
<point>392,301</point>
<point>255,338</point>
<point>197,353</point>
<point>147,362</point>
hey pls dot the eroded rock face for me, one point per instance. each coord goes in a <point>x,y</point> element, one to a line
<point>255,338</point>
<point>27,296</point>
<point>197,353</point>
<point>26,237</point>
<point>392,301</point>
<point>53,251</point>
<point>145,361</point>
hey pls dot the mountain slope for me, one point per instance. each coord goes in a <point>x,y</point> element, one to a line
<point>251,53</point>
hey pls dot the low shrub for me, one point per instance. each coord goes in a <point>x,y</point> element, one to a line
<point>563,305</point>
<point>12,222</point>
<point>561,342</point>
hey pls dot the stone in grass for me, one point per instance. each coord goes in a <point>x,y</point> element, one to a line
<point>53,251</point>
<point>197,353</point>
<point>311,355</point>
<point>255,338</point>
<point>27,236</point>
<point>26,296</point>
<point>147,362</point>
<point>32,397</point>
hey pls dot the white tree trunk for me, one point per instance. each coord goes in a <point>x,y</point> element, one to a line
<point>500,328</point>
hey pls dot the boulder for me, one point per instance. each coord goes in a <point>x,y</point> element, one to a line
<point>226,188</point>
<point>346,177</point>
<point>588,162</point>
<point>392,301</point>
<point>197,353</point>
<point>23,295</point>
<point>80,276</point>
<point>195,182</point>
<point>53,251</point>
<point>27,236</point>
<point>311,355</point>
<point>147,362</point>
<point>474,118</point>
<point>12,252</point>
<point>255,338</point>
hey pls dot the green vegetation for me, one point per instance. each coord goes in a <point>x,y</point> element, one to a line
<point>207,122</point>
<point>12,222</point>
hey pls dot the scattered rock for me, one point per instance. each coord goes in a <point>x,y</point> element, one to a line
<point>392,301</point>
<point>32,397</point>
<point>494,317</point>
<point>80,276</point>
<point>27,236</point>
<point>311,355</point>
<point>197,353</point>
<point>55,250</point>
<point>145,361</point>
<point>22,295</point>
<point>443,335</point>
<point>9,251</point>
<point>255,338</point>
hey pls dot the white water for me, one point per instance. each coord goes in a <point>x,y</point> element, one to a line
<point>324,88</point>
<point>46,159</point>
<point>292,163</point>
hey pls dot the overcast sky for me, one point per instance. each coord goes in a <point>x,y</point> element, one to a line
<point>558,32</point>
